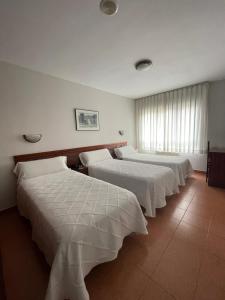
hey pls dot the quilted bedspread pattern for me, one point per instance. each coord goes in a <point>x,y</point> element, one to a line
<point>78,222</point>
<point>181,166</point>
<point>151,184</point>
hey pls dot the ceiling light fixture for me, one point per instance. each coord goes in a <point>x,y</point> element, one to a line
<point>109,7</point>
<point>143,65</point>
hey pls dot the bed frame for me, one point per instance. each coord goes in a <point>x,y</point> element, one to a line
<point>72,155</point>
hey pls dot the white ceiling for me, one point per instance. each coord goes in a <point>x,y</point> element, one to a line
<point>73,40</point>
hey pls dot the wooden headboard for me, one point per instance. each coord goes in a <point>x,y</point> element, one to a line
<point>73,160</point>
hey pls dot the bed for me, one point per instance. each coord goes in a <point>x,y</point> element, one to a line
<point>181,166</point>
<point>151,184</point>
<point>77,221</point>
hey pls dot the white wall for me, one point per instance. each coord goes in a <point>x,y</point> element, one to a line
<point>216,132</point>
<point>31,102</point>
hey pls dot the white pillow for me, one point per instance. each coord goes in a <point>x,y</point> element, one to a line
<point>35,168</point>
<point>124,151</point>
<point>166,153</point>
<point>90,157</point>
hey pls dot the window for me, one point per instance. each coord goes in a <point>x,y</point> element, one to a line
<point>174,121</point>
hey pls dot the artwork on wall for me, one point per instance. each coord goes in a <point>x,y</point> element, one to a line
<point>87,119</point>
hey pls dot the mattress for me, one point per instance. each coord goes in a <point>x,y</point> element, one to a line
<point>151,184</point>
<point>78,222</point>
<point>181,166</point>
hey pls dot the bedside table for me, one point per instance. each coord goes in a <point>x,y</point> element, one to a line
<point>81,169</point>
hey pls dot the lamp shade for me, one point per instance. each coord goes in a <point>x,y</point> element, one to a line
<point>32,138</point>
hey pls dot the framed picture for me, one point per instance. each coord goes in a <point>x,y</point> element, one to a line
<point>87,119</point>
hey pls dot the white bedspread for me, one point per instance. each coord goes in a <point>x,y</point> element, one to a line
<point>78,222</point>
<point>151,184</point>
<point>181,166</point>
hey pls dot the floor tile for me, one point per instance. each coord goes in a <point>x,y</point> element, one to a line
<point>34,275</point>
<point>178,269</point>
<point>216,245</point>
<point>212,271</point>
<point>153,291</point>
<point>152,258</point>
<point>161,231</point>
<point>189,233</point>
<point>162,226</point>
<point>201,209</point>
<point>171,212</point>
<point>179,203</point>
<point>196,219</point>
<point>218,225</point>
<point>125,282</point>
<point>204,199</point>
<point>132,252</point>
<point>207,290</point>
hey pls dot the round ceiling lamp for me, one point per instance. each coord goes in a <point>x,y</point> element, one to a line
<point>143,65</point>
<point>109,7</point>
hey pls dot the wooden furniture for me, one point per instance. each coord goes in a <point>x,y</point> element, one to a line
<point>73,160</point>
<point>2,287</point>
<point>208,162</point>
<point>216,168</point>
<point>81,169</point>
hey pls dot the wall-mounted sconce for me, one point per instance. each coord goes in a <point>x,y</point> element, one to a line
<point>121,132</point>
<point>32,138</point>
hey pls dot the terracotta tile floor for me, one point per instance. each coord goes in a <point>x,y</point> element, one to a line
<point>182,258</point>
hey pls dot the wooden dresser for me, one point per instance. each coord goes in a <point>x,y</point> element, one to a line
<point>216,168</point>
<point>2,288</point>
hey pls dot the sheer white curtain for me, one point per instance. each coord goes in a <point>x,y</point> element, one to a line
<point>174,121</point>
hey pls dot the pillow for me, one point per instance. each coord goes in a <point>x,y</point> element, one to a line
<point>124,151</point>
<point>91,157</point>
<point>35,168</point>
<point>166,153</point>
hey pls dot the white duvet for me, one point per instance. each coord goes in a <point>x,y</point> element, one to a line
<point>78,222</point>
<point>181,166</point>
<point>151,184</point>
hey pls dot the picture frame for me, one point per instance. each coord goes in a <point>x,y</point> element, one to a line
<point>87,120</point>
